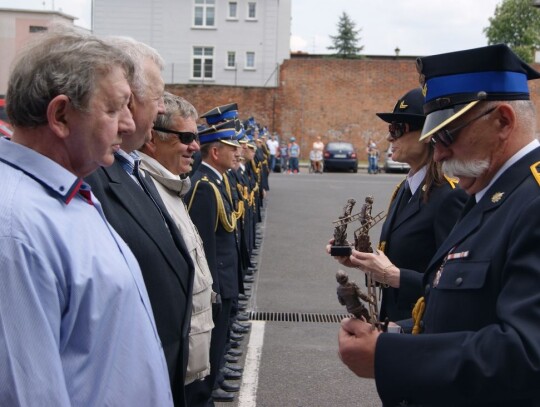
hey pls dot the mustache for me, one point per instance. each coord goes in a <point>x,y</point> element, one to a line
<point>470,169</point>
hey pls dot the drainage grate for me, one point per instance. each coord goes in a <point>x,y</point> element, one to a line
<point>296,317</point>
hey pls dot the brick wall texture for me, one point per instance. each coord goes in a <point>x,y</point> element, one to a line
<point>333,98</point>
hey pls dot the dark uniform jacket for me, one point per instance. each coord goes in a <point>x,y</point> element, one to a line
<point>165,263</point>
<point>410,240</point>
<point>220,245</point>
<point>481,340</point>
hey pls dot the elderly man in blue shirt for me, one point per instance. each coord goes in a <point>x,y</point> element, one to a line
<point>76,325</point>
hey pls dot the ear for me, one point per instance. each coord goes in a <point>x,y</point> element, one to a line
<point>505,120</point>
<point>150,146</point>
<point>214,152</point>
<point>58,113</point>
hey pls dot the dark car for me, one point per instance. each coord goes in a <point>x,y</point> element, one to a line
<point>340,155</point>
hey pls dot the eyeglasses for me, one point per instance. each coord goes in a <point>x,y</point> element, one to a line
<point>185,137</point>
<point>397,130</point>
<point>447,137</point>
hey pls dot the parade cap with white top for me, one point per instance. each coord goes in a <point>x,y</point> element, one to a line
<point>455,82</point>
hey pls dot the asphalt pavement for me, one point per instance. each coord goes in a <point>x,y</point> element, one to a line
<point>290,357</point>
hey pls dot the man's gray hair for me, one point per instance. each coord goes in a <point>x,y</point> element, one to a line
<point>174,106</point>
<point>61,61</point>
<point>139,53</point>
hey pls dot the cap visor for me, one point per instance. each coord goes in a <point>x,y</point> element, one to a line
<point>439,119</point>
<point>233,143</point>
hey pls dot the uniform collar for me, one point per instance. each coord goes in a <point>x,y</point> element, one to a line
<point>416,179</point>
<point>514,159</point>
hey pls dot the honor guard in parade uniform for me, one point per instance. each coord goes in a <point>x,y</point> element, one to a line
<point>480,340</point>
<point>212,212</point>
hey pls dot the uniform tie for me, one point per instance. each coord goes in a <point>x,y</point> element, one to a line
<point>405,198</point>
<point>468,206</point>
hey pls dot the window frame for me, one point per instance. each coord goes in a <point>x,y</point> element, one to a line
<point>248,67</point>
<point>205,5</point>
<point>204,59</point>
<point>227,64</point>
<point>229,16</point>
<point>248,9</point>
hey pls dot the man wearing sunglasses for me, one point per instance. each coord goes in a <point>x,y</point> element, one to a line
<point>167,158</point>
<point>480,343</point>
<point>423,210</point>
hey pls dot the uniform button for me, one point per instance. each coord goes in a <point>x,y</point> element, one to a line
<point>427,288</point>
<point>459,281</point>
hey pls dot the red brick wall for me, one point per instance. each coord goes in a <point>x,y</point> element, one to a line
<point>333,98</point>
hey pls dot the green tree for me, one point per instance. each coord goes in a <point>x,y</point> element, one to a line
<point>346,41</point>
<point>517,24</point>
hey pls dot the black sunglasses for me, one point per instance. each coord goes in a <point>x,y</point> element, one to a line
<point>447,137</point>
<point>185,137</point>
<point>397,130</point>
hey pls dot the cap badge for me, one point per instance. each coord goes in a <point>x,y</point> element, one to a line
<point>496,197</point>
<point>424,90</point>
<point>402,105</point>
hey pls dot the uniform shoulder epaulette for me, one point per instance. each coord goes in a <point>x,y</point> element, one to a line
<point>535,169</point>
<point>452,181</point>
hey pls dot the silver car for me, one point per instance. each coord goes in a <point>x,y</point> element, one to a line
<point>394,166</point>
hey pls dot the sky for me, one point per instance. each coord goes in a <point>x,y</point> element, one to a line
<point>416,27</point>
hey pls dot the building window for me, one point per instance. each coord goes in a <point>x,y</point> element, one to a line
<point>250,60</point>
<point>203,63</point>
<point>205,13</point>
<point>37,28</point>
<point>231,59</point>
<point>252,10</point>
<point>233,10</point>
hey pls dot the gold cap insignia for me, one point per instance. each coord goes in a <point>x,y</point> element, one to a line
<point>496,197</point>
<point>424,89</point>
<point>402,105</point>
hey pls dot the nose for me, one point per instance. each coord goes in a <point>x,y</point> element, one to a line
<point>194,146</point>
<point>126,125</point>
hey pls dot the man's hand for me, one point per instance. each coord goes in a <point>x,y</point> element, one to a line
<point>357,341</point>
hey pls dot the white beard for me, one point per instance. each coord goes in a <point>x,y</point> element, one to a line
<point>468,169</point>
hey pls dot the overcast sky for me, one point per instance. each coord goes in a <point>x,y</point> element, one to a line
<point>416,27</point>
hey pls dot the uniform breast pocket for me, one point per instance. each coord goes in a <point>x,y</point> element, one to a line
<point>463,275</point>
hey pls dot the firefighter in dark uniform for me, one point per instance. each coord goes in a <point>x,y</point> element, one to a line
<point>480,339</point>
<point>213,214</point>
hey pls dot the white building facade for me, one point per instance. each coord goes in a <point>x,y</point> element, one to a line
<point>222,42</point>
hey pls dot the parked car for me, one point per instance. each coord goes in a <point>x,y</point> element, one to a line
<point>340,155</point>
<point>394,166</point>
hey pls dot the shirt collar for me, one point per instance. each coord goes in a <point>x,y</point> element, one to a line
<point>47,172</point>
<point>416,179</point>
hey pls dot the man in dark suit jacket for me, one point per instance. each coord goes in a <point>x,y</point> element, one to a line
<point>211,211</point>
<point>133,207</point>
<point>480,343</point>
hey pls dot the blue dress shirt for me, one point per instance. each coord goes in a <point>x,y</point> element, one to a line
<point>76,325</point>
